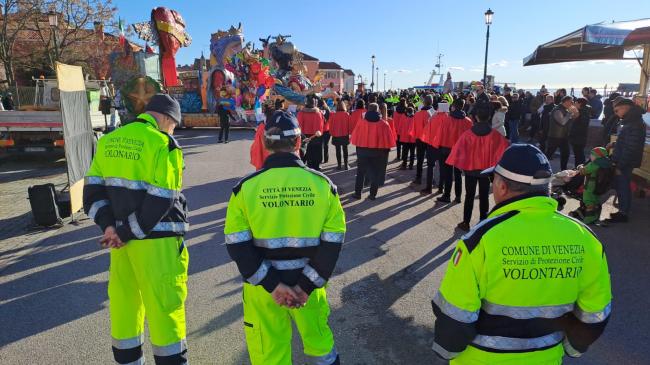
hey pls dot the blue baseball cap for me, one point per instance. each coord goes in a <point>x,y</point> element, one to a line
<point>523,163</point>
<point>286,122</point>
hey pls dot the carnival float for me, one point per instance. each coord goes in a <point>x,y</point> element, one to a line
<point>237,77</point>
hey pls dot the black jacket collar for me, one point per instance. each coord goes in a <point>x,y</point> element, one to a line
<point>282,159</point>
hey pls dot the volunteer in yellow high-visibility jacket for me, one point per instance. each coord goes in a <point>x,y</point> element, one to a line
<point>133,192</point>
<point>284,230</point>
<point>526,285</point>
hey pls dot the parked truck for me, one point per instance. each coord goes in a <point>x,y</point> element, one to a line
<point>38,127</point>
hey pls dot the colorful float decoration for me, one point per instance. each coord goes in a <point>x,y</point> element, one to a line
<point>166,29</point>
<point>240,79</point>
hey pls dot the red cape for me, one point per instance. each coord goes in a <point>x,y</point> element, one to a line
<point>432,128</point>
<point>397,118</point>
<point>355,117</point>
<point>473,152</point>
<point>419,122</point>
<point>258,152</point>
<point>450,130</point>
<point>405,130</point>
<point>391,123</point>
<point>340,124</point>
<point>373,135</point>
<point>310,121</point>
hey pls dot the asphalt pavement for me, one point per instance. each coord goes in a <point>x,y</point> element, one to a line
<point>54,305</point>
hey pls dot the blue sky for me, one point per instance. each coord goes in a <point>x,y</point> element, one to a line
<point>406,36</point>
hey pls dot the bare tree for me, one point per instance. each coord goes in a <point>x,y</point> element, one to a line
<point>15,18</point>
<point>72,40</point>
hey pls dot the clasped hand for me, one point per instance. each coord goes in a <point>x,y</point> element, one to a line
<point>290,297</point>
<point>111,239</point>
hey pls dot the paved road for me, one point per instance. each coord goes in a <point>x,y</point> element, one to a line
<point>53,302</point>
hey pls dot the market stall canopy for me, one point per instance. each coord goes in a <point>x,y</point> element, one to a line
<point>602,41</point>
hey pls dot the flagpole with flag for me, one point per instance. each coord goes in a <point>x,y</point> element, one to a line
<point>122,38</point>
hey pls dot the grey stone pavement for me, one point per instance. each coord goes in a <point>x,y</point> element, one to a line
<point>54,307</point>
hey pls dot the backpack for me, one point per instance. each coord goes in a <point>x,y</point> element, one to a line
<point>604,180</point>
<point>43,200</point>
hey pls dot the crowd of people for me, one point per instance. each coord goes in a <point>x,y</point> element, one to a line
<point>462,134</point>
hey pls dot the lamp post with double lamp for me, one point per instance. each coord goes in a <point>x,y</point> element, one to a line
<point>53,20</point>
<point>372,74</point>
<point>488,22</point>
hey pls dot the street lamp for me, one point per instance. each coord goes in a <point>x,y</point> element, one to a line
<point>53,19</point>
<point>384,80</point>
<point>372,74</point>
<point>488,22</point>
<point>377,69</point>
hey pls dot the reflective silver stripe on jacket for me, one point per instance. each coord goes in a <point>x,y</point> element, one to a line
<point>128,343</point>
<point>287,242</point>
<point>161,192</point>
<point>260,274</point>
<point>118,182</point>
<point>550,311</point>
<point>569,349</point>
<point>334,237</point>
<point>238,237</point>
<point>176,227</point>
<point>289,264</point>
<point>447,355</point>
<point>169,350</point>
<point>592,317</point>
<point>93,180</point>
<point>326,359</point>
<point>459,314</point>
<point>512,344</point>
<point>92,212</point>
<point>135,227</point>
<point>313,275</point>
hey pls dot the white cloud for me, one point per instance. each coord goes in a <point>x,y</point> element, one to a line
<point>502,64</point>
<point>402,71</point>
<point>457,68</point>
<point>569,66</point>
<point>476,69</point>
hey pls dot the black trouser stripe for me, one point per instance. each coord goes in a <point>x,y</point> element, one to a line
<point>126,356</point>
<point>176,359</point>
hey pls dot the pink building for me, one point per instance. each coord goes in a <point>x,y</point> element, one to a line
<point>311,63</point>
<point>332,73</point>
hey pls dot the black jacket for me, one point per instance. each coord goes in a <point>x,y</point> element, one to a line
<point>514,110</point>
<point>580,127</point>
<point>628,151</point>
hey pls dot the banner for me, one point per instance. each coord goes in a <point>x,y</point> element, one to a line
<point>77,129</point>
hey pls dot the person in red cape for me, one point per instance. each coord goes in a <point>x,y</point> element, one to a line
<point>429,136</point>
<point>420,121</point>
<point>383,110</point>
<point>373,138</point>
<point>340,129</point>
<point>477,149</point>
<point>357,114</point>
<point>398,117</point>
<point>311,122</point>
<point>450,130</point>
<point>407,139</point>
<point>258,153</point>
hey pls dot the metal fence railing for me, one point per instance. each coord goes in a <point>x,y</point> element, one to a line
<point>23,95</point>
